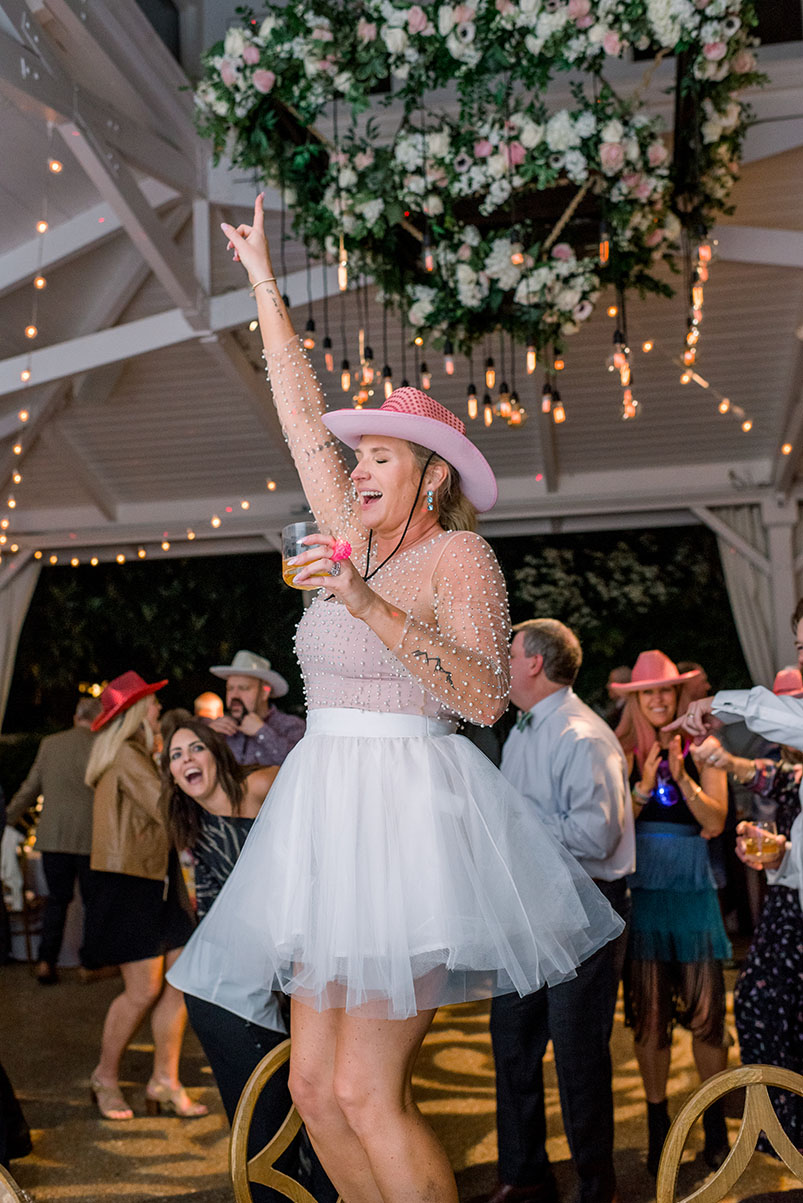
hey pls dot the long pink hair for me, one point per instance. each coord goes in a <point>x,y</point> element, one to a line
<point>636,733</point>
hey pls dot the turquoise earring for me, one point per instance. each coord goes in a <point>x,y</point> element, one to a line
<point>430,500</point>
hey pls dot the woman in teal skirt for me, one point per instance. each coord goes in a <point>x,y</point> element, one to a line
<point>673,972</point>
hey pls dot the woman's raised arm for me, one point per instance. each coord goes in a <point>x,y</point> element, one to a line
<point>297,393</point>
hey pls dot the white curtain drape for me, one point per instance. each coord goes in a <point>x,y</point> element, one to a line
<point>15,597</point>
<point>749,590</point>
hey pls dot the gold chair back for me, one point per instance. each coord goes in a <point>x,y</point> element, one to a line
<point>262,1166</point>
<point>758,1116</point>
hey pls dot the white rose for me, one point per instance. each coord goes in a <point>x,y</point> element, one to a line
<point>347,177</point>
<point>596,34</point>
<point>433,205</point>
<point>612,131</point>
<point>529,7</point>
<point>342,81</point>
<point>395,39</point>
<point>234,43</point>
<point>531,134</point>
<point>372,211</point>
<point>576,166</point>
<point>560,132</point>
<point>416,184</point>
<point>498,193</point>
<point>438,144</point>
<point>445,20</point>
<point>497,166</point>
<point>472,236</point>
<point>267,27</point>
<point>533,44</point>
<point>711,131</point>
<point>632,149</point>
<point>567,298</point>
<point>585,124</point>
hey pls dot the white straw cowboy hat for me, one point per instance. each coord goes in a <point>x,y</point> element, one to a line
<point>247,664</point>
<point>413,415</point>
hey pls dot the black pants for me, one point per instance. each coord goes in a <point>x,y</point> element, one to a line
<point>61,870</point>
<point>577,1016</point>
<point>15,1138</point>
<point>234,1047</point>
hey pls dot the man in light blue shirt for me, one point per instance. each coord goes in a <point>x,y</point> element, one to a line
<point>565,759</point>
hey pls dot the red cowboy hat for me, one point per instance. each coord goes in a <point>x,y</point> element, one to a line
<point>653,669</point>
<point>120,694</point>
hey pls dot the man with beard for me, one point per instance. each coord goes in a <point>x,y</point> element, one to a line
<point>255,730</point>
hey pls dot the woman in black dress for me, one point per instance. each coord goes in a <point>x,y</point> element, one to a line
<point>138,915</point>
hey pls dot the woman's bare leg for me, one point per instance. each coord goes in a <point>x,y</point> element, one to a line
<point>312,1060</point>
<point>168,1021</point>
<point>373,1071</point>
<point>143,983</point>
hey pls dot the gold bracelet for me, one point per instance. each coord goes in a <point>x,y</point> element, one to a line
<point>267,280</point>
<point>698,789</point>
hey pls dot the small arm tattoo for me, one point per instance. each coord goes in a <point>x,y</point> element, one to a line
<point>436,660</point>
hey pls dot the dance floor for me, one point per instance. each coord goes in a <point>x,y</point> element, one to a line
<point>48,1042</point>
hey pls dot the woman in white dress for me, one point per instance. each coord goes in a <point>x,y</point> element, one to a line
<point>392,869</point>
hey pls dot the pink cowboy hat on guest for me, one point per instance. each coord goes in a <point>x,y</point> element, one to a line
<point>415,416</point>
<point>651,670</point>
<point>788,683</point>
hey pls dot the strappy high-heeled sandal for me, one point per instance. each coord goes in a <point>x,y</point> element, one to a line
<point>109,1100</point>
<point>173,1100</point>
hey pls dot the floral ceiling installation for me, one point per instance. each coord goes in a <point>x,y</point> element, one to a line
<point>483,205</point>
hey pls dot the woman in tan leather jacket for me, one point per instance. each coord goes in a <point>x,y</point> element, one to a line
<point>138,915</point>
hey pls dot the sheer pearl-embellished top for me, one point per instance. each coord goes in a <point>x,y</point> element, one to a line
<point>452,658</point>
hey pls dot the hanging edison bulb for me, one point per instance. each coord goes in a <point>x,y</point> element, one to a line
<point>689,356</point>
<point>328,355</point>
<point>502,407</point>
<point>697,296</point>
<point>472,401</point>
<point>490,373</point>
<point>487,409</point>
<point>448,357</point>
<point>517,255</point>
<point>604,243</point>
<point>368,371</point>
<point>343,266</point>
<point>345,376</point>
<point>630,406</point>
<point>531,361</point>
<point>547,397</point>
<point>387,380</point>
<point>309,334</point>
<point>624,374</point>
<point>426,378</point>
<point>428,255</point>
<point>39,283</point>
<point>558,412</point>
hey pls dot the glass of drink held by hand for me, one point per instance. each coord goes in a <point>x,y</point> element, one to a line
<point>292,546</point>
<point>759,840</point>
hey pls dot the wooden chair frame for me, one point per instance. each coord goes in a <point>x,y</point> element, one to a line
<point>758,1116</point>
<point>261,1167</point>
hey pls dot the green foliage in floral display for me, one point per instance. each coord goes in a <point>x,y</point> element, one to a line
<point>466,170</point>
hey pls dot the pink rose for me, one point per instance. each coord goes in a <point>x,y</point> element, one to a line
<point>464,253</point>
<point>611,44</point>
<point>656,154</point>
<point>742,62</point>
<point>505,7</point>
<point>578,8</point>
<point>584,22</point>
<point>654,237</point>
<point>416,19</point>
<point>611,157</point>
<point>366,30</point>
<point>463,13</point>
<point>251,55</point>
<point>714,51</point>
<point>563,251</point>
<point>515,154</point>
<point>632,179</point>
<point>264,80</point>
<point>228,72</point>
<point>643,190</point>
<point>364,159</point>
<point>482,149</point>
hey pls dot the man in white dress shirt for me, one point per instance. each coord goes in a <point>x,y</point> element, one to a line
<point>565,759</point>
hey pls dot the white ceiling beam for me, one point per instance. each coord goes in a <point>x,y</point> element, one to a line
<point>63,242</point>
<point>107,553</point>
<point>757,244</point>
<point>146,334</point>
<point>37,85</point>
<point>119,189</point>
<point>123,37</point>
<point>237,367</point>
<point>65,448</point>
<point>732,538</point>
<point>787,466</point>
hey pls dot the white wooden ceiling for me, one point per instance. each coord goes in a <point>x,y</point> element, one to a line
<point>148,409</point>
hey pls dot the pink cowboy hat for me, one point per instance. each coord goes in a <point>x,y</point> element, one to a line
<point>412,415</point>
<point>653,669</point>
<point>788,683</point>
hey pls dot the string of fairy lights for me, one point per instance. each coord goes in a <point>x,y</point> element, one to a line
<point>498,400</point>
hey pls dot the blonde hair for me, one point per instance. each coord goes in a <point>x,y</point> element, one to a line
<point>455,511</point>
<point>128,725</point>
<point>636,733</point>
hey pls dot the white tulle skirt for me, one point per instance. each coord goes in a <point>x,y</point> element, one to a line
<point>392,869</point>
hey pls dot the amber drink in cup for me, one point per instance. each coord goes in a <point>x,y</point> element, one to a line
<point>292,546</point>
